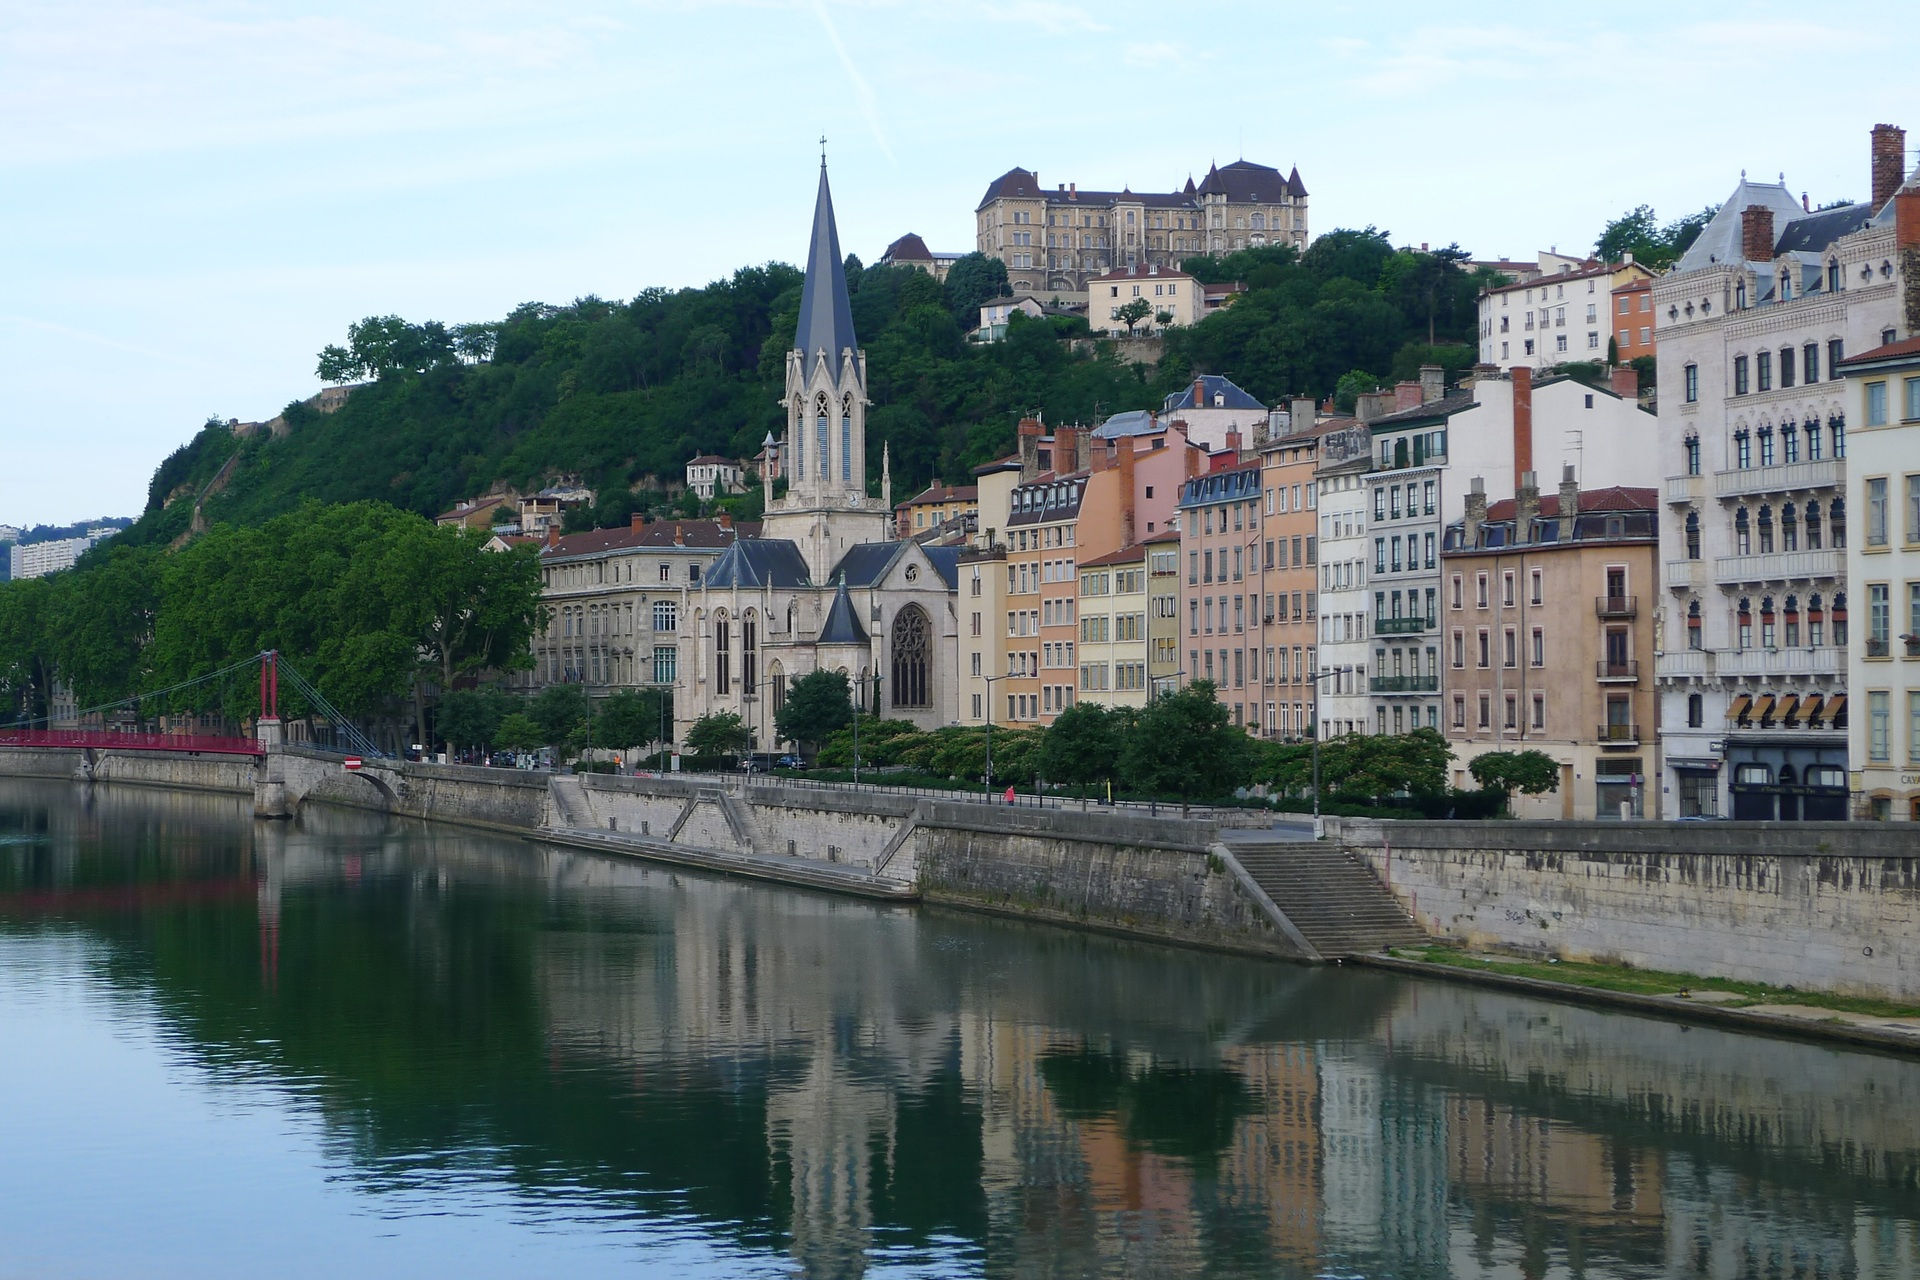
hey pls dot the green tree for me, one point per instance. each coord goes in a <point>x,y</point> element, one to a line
<point>1529,772</point>
<point>1351,386</point>
<point>1133,312</point>
<point>519,732</point>
<point>1373,766</point>
<point>631,718</point>
<point>470,718</point>
<point>717,734</point>
<point>27,645</point>
<point>559,709</point>
<point>818,705</point>
<point>102,618</point>
<point>974,279</point>
<point>1185,744</point>
<point>1083,744</point>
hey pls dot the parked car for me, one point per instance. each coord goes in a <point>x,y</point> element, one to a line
<point>790,762</point>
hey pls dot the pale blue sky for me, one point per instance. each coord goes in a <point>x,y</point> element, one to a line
<point>196,196</point>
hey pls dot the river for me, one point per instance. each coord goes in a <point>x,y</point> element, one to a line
<point>349,1046</point>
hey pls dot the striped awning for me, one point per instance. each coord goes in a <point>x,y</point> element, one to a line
<point>1810,708</point>
<point>1789,704</point>
<point>1836,707</point>
<point>1763,707</point>
<point>1738,710</point>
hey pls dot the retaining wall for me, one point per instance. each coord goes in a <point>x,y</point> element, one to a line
<point>1818,906</point>
<point>178,770</point>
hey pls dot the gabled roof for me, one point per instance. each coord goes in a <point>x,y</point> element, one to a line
<point>944,493</point>
<point>711,460</point>
<point>1211,385</point>
<point>866,563</point>
<point>1126,555</point>
<point>826,312</point>
<point>1446,406</point>
<point>908,248</point>
<point>1906,349</point>
<point>1143,271</point>
<point>946,562</point>
<point>843,621</point>
<point>760,562</point>
<point>698,535</point>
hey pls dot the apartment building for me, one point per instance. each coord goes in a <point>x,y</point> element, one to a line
<point>1220,541</point>
<point>1340,474</point>
<point>1289,571</point>
<point>1173,297</point>
<point>985,618</point>
<point>1883,565</point>
<point>1114,606</point>
<point>1634,324</point>
<point>1756,320</point>
<point>1163,612</point>
<point>1054,242</point>
<point>613,600</point>
<point>935,506</point>
<point>1549,644</point>
<point>1558,317</point>
<point>1402,668</point>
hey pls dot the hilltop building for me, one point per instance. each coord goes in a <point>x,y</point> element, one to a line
<point>1055,242</point>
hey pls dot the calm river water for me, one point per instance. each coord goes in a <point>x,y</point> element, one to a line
<point>350,1047</point>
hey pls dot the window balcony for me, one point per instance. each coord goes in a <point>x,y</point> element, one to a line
<point>1781,566</point>
<point>1780,478</point>
<point>1683,491</point>
<point>1609,672</point>
<point>1403,684</point>
<point>1400,626</point>
<point>1616,606</point>
<point>1680,575</point>
<point>1684,664</point>
<point>1618,735</point>
<point>1763,664</point>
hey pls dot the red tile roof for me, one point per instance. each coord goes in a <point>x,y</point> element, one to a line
<point>1617,498</point>
<point>1891,351</point>
<point>1125,555</point>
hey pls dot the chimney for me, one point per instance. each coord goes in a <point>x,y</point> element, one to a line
<point>1569,500</point>
<point>1233,441</point>
<point>1029,432</point>
<point>726,520</point>
<point>553,534</point>
<point>1806,205</point>
<point>1889,161</point>
<point>1433,383</point>
<point>1199,393</point>
<point>1373,404</point>
<point>1300,413</point>
<point>1406,395</point>
<point>1756,233</point>
<point>1073,191</point>
<point>1906,225</point>
<point>1127,522</point>
<point>1196,458</point>
<point>1625,380</point>
<point>1526,508</point>
<point>1066,442</point>
<point>1476,511</point>
<point>639,522</point>
<point>1522,422</point>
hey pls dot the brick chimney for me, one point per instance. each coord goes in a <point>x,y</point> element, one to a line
<point>679,534</point>
<point>1756,233</point>
<point>1125,459</point>
<point>1569,500</point>
<point>1433,383</point>
<point>1522,422</point>
<point>1476,511</point>
<point>1066,448</point>
<point>1625,380</point>
<point>1906,218</point>
<point>726,521</point>
<point>553,534</point>
<point>638,523</point>
<point>1406,395</point>
<point>1199,393</point>
<point>1889,161</point>
<point>1029,431</point>
<point>1526,508</point>
<point>1233,441</point>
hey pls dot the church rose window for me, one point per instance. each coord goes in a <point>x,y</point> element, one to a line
<point>911,651</point>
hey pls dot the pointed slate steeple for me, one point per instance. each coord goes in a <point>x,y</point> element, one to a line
<point>826,315</point>
<point>842,625</point>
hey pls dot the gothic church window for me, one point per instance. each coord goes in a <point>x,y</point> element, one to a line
<point>912,649</point>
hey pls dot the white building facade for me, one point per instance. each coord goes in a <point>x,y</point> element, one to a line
<point>1342,704</point>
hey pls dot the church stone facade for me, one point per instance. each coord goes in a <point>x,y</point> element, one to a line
<point>827,586</point>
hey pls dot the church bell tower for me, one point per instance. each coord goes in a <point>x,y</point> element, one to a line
<point>826,508</point>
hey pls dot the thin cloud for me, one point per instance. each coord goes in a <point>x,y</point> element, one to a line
<point>1045,15</point>
<point>862,91</point>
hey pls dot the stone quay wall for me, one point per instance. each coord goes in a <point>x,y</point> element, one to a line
<point>1829,907</point>
<point>182,771</point>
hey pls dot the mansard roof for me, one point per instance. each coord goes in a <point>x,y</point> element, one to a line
<point>826,312</point>
<point>760,562</point>
<point>1812,232</point>
<point>908,248</point>
<point>843,621</point>
<point>1243,182</point>
<point>1210,385</point>
<point>1720,241</point>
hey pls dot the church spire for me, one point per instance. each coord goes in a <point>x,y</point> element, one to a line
<point>826,314</point>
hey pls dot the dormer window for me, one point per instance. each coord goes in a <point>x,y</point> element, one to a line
<point>1740,295</point>
<point>1833,275</point>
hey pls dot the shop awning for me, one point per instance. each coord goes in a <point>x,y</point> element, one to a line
<point>1738,710</point>
<point>1836,710</point>
<point>1763,707</point>
<point>1810,708</point>
<point>1789,705</point>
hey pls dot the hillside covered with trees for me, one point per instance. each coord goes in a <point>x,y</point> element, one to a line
<point>621,394</point>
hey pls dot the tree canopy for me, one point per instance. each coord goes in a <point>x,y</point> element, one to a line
<point>818,705</point>
<point>1653,245</point>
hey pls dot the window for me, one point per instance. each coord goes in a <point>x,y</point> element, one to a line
<point>1693,455</point>
<point>1836,352</point>
<point>1763,370</point>
<point>1691,381</point>
<point>1789,442</point>
<point>1879,714</point>
<point>1766,446</point>
<point>1913,727</point>
<point>1877,511</point>
<point>1879,615</point>
<point>1480,590</point>
<point>1876,404</point>
<point>1538,587</point>
<point>1539,655</point>
<point>666,664</point>
<point>1913,512</point>
<point>722,654</point>
<point>666,615</point>
<point>1485,652</point>
<point>1810,361</point>
<point>1910,402</point>
<point>1786,366</point>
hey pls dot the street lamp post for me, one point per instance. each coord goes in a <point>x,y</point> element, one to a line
<point>1319,829</point>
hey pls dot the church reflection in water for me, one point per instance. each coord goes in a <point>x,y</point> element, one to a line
<point>845,1083</point>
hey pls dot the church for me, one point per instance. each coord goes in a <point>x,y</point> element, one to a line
<point>826,586</point>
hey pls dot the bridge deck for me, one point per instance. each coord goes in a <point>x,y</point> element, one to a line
<point>105,740</point>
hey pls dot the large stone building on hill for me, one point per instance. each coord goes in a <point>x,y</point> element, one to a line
<point>828,586</point>
<point>1054,242</point>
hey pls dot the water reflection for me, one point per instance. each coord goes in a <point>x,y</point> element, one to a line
<point>572,1049</point>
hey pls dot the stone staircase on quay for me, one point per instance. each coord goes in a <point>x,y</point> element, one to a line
<point>1331,895</point>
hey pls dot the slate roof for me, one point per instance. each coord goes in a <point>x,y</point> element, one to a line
<point>1812,232</point>
<point>908,248</point>
<point>760,562</point>
<point>1211,384</point>
<point>1244,181</point>
<point>826,312</point>
<point>697,535</point>
<point>843,621</point>
<point>1720,240</point>
<point>866,563</point>
<point>1134,422</point>
<point>1639,507</point>
<point>1443,407</point>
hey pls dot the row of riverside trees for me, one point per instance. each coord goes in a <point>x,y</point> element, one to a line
<point>1182,746</point>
